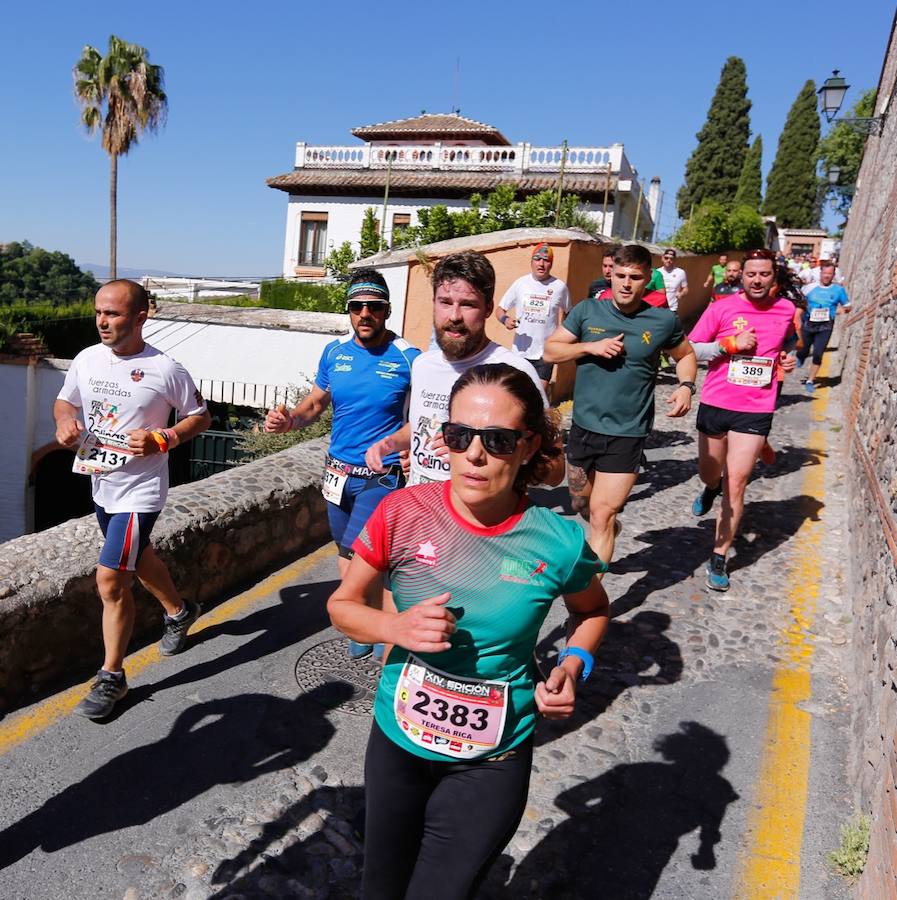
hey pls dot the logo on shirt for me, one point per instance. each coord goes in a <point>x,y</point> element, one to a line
<point>427,553</point>
<point>137,374</point>
<point>519,571</point>
<point>342,367</point>
<point>105,413</point>
<point>740,323</point>
<point>592,329</point>
<point>646,337</point>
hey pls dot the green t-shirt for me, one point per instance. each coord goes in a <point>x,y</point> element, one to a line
<point>616,396</point>
<point>719,273</point>
<point>503,581</point>
<point>656,283</point>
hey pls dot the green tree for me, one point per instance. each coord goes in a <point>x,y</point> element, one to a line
<point>746,228</point>
<point>843,147</point>
<point>707,231</point>
<point>339,259</point>
<point>121,95</point>
<point>791,187</point>
<point>714,168</point>
<point>31,275</point>
<point>750,185</point>
<point>370,234</point>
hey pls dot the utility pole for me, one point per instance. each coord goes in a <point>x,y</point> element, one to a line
<point>389,155</point>
<point>638,209</point>
<point>557,209</point>
<point>606,188</point>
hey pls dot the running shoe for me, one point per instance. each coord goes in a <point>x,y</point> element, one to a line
<point>105,692</point>
<point>717,579</point>
<point>800,362</point>
<point>809,387</point>
<point>174,637</point>
<point>359,651</point>
<point>704,500</point>
<point>767,454</point>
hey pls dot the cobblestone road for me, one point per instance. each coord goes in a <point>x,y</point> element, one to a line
<point>221,779</point>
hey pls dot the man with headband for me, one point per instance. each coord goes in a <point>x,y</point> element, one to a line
<point>366,376</point>
<point>532,307</point>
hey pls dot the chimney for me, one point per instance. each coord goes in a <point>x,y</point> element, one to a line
<point>654,197</point>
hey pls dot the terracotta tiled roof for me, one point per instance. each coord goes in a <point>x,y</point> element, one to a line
<point>367,182</point>
<point>446,126</point>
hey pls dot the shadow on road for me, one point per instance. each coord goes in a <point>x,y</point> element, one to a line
<point>228,741</point>
<point>625,825</point>
<point>634,653</point>
<point>659,474</point>
<point>789,459</point>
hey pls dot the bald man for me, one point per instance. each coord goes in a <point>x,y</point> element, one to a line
<point>113,411</point>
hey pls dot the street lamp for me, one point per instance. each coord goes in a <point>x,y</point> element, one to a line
<point>831,96</point>
<point>834,174</point>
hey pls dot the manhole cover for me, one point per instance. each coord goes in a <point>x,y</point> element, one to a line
<point>326,669</point>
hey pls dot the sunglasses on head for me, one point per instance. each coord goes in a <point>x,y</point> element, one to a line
<point>374,306</point>
<point>496,441</point>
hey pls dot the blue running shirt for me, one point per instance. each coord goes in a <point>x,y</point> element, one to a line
<point>369,392</point>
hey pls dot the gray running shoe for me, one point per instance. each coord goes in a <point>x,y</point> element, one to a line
<point>105,692</point>
<point>175,637</point>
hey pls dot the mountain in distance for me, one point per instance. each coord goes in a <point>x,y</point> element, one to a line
<point>103,271</point>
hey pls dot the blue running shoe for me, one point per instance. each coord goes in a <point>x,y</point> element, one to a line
<point>717,579</point>
<point>704,500</point>
<point>809,387</point>
<point>359,651</point>
<point>800,362</point>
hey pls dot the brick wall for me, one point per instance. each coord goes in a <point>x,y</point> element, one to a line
<point>869,385</point>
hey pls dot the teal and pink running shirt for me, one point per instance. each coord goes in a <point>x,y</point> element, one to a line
<point>503,581</point>
<point>772,321</point>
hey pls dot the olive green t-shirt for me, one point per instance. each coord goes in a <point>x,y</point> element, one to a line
<point>616,396</point>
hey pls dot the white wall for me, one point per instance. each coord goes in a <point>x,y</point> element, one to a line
<point>22,386</point>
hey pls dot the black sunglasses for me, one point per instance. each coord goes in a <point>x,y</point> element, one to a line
<point>497,441</point>
<point>374,306</point>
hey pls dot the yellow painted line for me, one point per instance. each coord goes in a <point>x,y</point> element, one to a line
<point>21,727</point>
<point>769,868</point>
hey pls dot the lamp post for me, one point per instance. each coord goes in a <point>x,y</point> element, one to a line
<point>834,174</point>
<point>831,96</point>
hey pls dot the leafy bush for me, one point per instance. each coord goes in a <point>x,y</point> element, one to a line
<point>746,229</point>
<point>850,858</point>
<point>256,443</point>
<point>32,275</point>
<point>282,294</point>
<point>66,330</point>
<point>707,231</point>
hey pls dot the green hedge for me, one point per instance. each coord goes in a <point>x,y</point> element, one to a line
<point>66,330</point>
<point>283,294</point>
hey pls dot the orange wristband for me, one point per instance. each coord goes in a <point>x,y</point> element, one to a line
<point>161,440</point>
<point>729,345</point>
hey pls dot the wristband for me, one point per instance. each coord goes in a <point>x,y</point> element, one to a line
<point>161,440</point>
<point>173,437</point>
<point>729,345</point>
<point>588,661</point>
<point>688,384</point>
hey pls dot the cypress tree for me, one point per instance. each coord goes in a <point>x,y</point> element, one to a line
<point>791,187</point>
<point>713,170</point>
<point>751,182</point>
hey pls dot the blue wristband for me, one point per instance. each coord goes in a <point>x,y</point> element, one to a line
<point>588,661</point>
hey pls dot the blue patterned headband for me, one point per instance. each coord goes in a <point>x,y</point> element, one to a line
<point>368,288</point>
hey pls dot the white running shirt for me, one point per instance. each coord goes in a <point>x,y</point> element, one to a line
<point>672,281</point>
<point>535,305</point>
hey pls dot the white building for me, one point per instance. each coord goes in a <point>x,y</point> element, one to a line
<point>435,159</point>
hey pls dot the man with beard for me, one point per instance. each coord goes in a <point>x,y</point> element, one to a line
<point>366,376</point>
<point>463,290</point>
<point>739,395</point>
<point>731,283</point>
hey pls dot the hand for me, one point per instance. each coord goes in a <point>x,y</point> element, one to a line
<point>510,323</point>
<point>68,431</point>
<point>608,348</point>
<point>436,445</point>
<point>556,697</point>
<point>405,461</point>
<point>787,361</point>
<point>679,402</point>
<point>278,421</point>
<point>373,457</point>
<point>425,628</point>
<point>142,443</point>
<point>746,341</point>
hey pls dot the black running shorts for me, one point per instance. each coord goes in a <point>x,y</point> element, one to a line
<point>609,453</point>
<point>714,421</point>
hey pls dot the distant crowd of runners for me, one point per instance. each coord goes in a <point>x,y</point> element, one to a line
<point>447,568</point>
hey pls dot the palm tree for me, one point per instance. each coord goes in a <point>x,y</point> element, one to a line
<point>121,95</point>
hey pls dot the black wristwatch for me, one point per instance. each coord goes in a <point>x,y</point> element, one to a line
<point>690,385</point>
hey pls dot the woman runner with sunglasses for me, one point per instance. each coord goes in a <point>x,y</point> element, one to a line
<point>474,568</point>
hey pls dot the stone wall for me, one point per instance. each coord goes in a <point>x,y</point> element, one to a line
<point>869,386</point>
<point>214,534</point>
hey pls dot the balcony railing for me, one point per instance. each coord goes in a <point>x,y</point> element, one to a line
<point>422,157</point>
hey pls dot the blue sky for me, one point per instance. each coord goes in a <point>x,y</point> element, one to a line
<point>246,81</point>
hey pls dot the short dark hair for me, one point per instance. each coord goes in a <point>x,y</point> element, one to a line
<point>138,295</point>
<point>827,264</point>
<point>469,266</point>
<point>760,253</point>
<point>369,276</point>
<point>634,255</point>
<point>610,250</point>
<point>523,389</point>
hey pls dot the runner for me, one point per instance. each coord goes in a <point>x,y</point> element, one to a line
<point>125,390</point>
<point>718,272</point>
<point>366,376</point>
<point>674,279</point>
<point>818,321</point>
<point>474,568</point>
<point>532,307</point>
<point>463,288</point>
<point>739,396</point>
<point>731,283</point>
<point>600,288</point>
<point>617,348</point>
